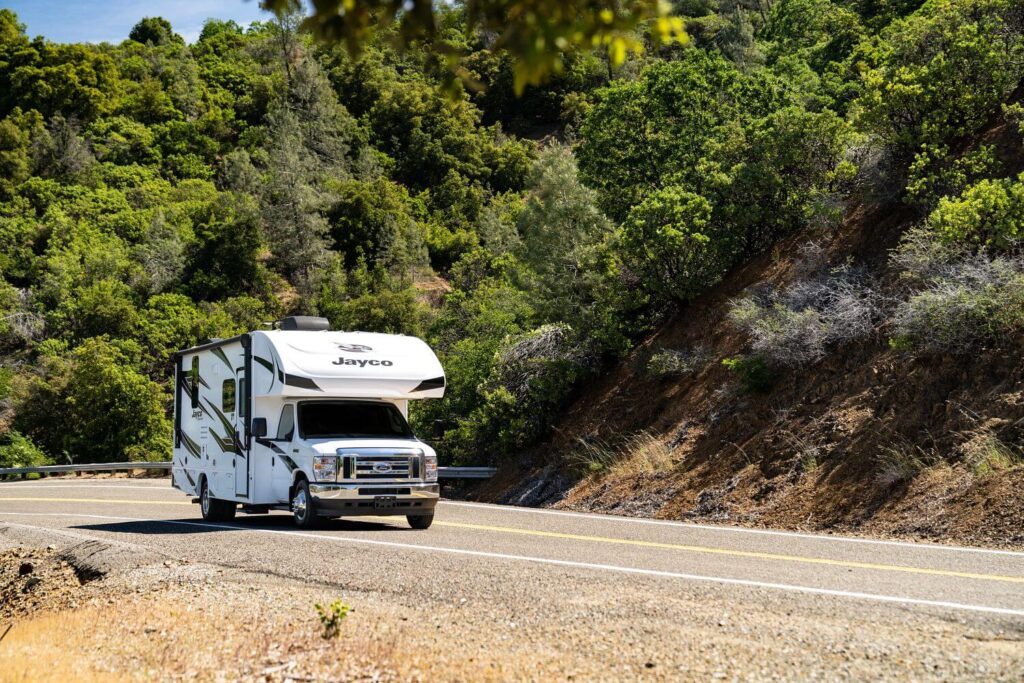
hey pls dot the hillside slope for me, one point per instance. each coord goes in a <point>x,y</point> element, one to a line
<point>869,438</point>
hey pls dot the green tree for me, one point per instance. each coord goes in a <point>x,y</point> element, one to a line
<point>154,31</point>
<point>939,73</point>
<point>681,106</point>
<point>92,405</point>
<point>671,239</point>
<point>561,227</point>
<point>378,221</point>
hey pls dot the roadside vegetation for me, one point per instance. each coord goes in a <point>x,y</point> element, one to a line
<point>533,223</point>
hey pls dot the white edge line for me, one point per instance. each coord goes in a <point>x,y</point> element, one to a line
<point>559,563</point>
<point>737,529</point>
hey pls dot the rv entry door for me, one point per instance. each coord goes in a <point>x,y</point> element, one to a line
<point>242,416</point>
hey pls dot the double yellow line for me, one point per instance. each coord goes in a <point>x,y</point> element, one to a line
<point>707,550</point>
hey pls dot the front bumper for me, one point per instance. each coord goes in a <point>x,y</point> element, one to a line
<point>349,500</point>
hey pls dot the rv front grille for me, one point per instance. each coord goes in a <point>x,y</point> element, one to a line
<point>384,467</point>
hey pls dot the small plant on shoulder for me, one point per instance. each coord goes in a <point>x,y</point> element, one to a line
<point>677,363</point>
<point>331,617</point>
<point>796,325</point>
<point>753,372</point>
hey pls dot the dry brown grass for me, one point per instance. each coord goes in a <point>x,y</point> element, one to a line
<point>637,454</point>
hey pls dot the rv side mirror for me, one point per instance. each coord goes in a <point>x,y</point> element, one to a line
<point>259,427</point>
<point>440,427</point>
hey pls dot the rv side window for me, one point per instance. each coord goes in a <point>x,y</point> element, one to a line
<point>193,384</point>
<point>286,425</point>
<point>227,396</point>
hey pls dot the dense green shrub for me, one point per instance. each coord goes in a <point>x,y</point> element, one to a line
<point>17,450</point>
<point>378,221</point>
<point>936,172</point>
<point>989,213</point>
<point>671,239</point>
<point>819,31</point>
<point>960,299</point>
<point>940,72</point>
<point>532,376</point>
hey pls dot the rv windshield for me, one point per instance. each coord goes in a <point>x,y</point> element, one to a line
<point>351,419</point>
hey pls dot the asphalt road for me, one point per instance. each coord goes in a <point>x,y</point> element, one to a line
<point>552,562</point>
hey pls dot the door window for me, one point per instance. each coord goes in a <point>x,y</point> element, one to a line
<point>243,398</point>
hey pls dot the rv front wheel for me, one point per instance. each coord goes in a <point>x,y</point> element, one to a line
<point>302,505</point>
<point>420,521</point>
<point>214,510</point>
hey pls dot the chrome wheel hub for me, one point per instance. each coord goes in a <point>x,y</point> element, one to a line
<point>299,503</point>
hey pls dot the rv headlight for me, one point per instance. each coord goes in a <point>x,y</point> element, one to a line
<point>325,467</point>
<point>430,468</point>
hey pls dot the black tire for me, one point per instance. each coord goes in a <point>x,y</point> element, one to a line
<point>303,506</point>
<point>213,509</point>
<point>420,521</point>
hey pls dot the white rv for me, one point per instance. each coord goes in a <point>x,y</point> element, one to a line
<point>305,419</point>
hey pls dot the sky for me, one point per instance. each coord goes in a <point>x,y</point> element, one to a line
<point>95,21</point>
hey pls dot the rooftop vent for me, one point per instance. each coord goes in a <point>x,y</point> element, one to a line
<point>304,322</point>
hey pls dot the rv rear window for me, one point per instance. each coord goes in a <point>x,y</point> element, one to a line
<point>194,382</point>
<point>351,420</point>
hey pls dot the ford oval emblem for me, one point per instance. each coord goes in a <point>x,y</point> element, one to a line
<point>381,467</point>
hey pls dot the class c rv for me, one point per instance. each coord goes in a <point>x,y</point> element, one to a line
<point>305,419</point>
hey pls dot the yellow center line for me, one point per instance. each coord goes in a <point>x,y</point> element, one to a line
<point>707,550</point>
<point>735,553</point>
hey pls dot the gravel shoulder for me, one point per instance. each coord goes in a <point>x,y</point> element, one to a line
<point>120,611</point>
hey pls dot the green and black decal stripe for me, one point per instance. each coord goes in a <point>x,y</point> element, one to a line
<point>190,445</point>
<point>301,382</point>
<point>226,423</point>
<point>220,354</point>
<point>288,462</point>
<point>226,444</point>
<point>270,368</point>
<point>191,481</point>
<point>220,416</point>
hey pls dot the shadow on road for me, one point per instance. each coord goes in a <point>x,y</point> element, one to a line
<point>198,526</point>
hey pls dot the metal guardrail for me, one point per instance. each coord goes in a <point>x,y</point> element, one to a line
<point>442,472</point>
<point>466,472</point>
